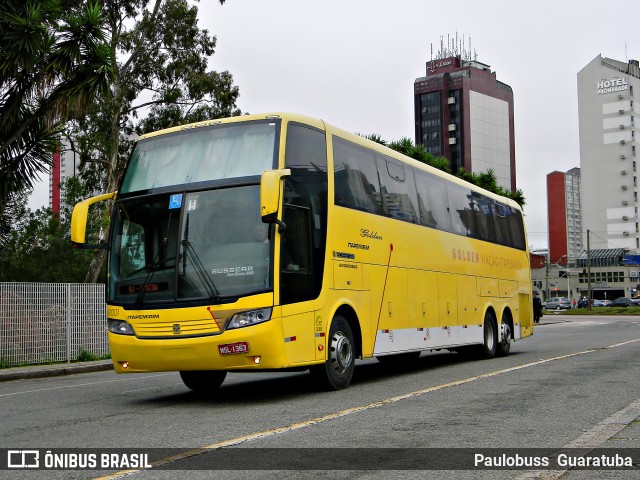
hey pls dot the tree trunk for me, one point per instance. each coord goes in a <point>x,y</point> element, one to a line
<point>96,264</point>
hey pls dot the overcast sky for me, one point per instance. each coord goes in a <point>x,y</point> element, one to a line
<point>353,64</point>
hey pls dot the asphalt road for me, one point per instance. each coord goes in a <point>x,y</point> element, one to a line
<point>573,384</point>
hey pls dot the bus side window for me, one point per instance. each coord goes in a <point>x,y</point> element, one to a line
<point>357,180</point>
<point>398,189</point>
<point>434,202</point>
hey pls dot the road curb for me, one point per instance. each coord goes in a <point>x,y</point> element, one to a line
<point>43,371</point>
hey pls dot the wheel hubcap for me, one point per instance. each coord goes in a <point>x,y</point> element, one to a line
<point>506,333</point>
<point>341,352</point>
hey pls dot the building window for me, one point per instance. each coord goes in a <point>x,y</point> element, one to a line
<point>431,121</point>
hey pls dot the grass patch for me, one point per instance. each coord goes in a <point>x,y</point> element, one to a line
<point>86,356</point>
<point>83,356</point>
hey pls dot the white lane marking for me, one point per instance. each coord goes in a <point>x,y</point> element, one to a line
<point>580,323</point>
<point>593,437</point>
<point>342,413</point>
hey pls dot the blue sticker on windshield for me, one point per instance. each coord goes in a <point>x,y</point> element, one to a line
<point>175,201</point>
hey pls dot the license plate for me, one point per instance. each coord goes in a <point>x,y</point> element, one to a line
<point>233,348</point>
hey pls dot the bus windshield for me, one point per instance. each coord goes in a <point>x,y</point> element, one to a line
<point>200,154</point>
<point>206,245</point>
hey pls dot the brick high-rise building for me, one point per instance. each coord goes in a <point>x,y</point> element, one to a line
<point>563,212</point>
<point>463,113</point>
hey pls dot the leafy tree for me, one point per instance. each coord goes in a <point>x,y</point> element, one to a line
<point>54,61</point>
<point>486,180</point>
<point>161,77</point>
<point>37,247</point>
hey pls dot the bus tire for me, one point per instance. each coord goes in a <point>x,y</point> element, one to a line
<point>337,371</point>
<point>504,346</point>
<point>203,381</point>
<point>490,335</point>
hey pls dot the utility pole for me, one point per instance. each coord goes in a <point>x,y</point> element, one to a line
<point>588,269</point>
<point>546,279</point>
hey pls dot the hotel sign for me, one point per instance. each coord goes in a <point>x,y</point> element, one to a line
<point>614,85</point>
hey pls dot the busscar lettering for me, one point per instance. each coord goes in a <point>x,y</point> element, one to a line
<point>358,246</point>
<point>347,265</point>
<point>239,271</point>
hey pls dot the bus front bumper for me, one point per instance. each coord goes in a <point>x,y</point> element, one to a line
<point>249,348</point>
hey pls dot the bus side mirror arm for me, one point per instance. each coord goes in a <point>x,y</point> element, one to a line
<point>270,188</point>
<point>79,220</point>
<point>281,225</point>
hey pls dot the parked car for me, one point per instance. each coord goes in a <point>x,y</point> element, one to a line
<point>557,303</point>
<point>636,301</point>
<point>622,302</point>
<point>605,303</point>
<point>597,303</point>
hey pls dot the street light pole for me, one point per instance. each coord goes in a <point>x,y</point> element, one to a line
<point>546,280</point>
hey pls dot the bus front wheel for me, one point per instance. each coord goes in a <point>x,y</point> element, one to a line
<point>337,371</point>
<point>203,381</point>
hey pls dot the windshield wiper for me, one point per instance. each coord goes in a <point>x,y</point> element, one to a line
<point>189,251</point>
<point>149,275</point>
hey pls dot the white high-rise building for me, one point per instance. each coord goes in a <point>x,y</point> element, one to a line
<point>608,114</point>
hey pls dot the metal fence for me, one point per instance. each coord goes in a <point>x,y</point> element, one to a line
<point>49,322</point>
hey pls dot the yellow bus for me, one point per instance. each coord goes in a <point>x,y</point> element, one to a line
<point>278,241</point>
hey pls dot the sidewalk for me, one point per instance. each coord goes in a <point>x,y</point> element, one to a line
<point>550,319</point>
<point>58,369</point>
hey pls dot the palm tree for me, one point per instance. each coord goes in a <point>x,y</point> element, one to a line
<point>53,62</point>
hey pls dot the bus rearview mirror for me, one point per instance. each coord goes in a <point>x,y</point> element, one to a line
<point>79,218</point>
<point>270,187</point>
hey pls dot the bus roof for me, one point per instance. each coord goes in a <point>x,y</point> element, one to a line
<point>321,124</point>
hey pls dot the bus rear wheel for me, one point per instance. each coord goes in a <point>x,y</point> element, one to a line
<point>490,343</point>
<point>337,371</point>
<point>203,381</point>
<point>504,346</point>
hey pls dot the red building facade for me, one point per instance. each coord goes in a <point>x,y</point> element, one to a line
<point>557,217</point>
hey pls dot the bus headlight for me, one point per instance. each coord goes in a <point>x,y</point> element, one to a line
<point>252,317</point>
<point>120,327</point>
